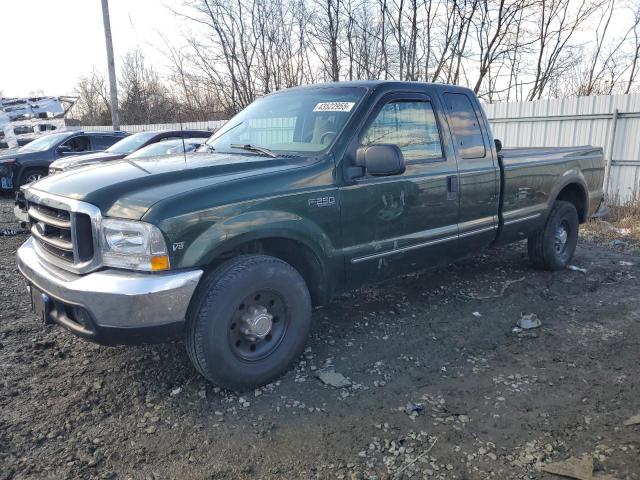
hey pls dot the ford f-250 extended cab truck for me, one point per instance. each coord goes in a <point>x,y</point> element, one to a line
<point>306,193</point>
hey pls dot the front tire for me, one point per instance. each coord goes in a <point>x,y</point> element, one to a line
<point>552,247</point>
<point>248,321</point>
<point>31,175</point>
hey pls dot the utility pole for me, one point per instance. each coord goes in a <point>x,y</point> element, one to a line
<point>113,87</point>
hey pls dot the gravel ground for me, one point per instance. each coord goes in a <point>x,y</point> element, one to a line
<point>441,387</point>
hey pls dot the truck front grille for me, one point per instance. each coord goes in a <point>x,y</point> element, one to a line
<point>65,235</point>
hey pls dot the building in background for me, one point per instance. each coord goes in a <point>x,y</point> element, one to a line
<point>24,119</point>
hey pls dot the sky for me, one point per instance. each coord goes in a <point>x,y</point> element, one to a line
<point>48,44</point>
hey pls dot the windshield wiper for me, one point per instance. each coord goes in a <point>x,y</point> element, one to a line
<point>254,148</point>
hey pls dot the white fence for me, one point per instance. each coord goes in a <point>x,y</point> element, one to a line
<point>212,125</point>
<point>611,122</point>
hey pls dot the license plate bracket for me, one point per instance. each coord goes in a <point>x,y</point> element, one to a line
<point>41,305</point>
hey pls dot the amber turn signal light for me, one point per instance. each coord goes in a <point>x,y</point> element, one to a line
<point>160,262</point>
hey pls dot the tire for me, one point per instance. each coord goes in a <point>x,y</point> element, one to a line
<point>219,341</point>
<point>552,247</point>
<point>31,175</point>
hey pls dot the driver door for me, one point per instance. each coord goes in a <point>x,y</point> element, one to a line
<point>78,145</point>
<point>398,223</point>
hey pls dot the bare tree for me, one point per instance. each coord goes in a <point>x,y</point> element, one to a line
<point>238,50</point>
<point>92,107</point>
<point>635,52</point>
<point>144,98</point>
<point>497,20</point>
<point>326,36</point>
<point>558,21</point>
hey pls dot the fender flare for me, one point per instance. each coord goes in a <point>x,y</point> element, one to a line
<point>569,178</point>
<point>19,169</point>
<point>254,226</point>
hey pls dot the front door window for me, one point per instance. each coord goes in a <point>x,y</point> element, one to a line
<point>78,144</point>
<point>411,125</point>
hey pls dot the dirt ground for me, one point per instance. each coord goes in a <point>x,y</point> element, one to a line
<point>497,404</point>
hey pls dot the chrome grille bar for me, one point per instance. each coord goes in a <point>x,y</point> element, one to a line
<point>55,225</point>
<point>55,221</point>
<point>53,241</point>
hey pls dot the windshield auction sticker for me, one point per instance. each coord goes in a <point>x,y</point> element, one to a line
<point>334,107</point>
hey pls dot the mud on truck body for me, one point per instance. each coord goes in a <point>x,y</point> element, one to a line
<point>306,193</point>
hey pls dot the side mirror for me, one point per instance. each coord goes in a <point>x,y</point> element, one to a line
<point>379,160</point>
<point>63,149</point>
<point>498,145</point>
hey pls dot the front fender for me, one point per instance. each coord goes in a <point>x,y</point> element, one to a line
<point>21,165</point>
<point>232,232</point>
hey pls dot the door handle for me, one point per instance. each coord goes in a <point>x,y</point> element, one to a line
<point>452,187</point>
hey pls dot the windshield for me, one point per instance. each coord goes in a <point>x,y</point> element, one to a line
<point>44,143</point>
<point>167,147</point>
<point>131,143</point>
<point>292,121</point>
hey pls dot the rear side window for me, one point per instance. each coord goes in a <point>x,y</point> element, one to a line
<point>465,125</point>
<point>102,142</point>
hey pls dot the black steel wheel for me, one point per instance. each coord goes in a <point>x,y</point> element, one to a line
<point>248,320</point>
<point>552,248</point>
<point>258,325</point>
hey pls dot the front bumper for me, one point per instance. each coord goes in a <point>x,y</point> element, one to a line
<point>21,215</point>
<point>112,306</point>
<point>20,209</point>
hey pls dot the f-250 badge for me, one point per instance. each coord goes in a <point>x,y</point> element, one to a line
<point>319,202</point>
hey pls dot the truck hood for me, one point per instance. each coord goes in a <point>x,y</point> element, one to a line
<point>127,189</point>
<point>9,153</point>
<point>74,161</point>
<point>14,153</point>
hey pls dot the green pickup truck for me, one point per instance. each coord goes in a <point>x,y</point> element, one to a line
<point>306,193</point>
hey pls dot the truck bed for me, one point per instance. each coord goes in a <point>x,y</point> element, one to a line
<point>530,178</point>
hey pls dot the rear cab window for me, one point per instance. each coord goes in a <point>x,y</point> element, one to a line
<point>465,126</point>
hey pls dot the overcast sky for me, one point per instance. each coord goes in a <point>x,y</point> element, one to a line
<point>45,45</point>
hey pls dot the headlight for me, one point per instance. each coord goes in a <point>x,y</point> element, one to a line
<point>134,245</point>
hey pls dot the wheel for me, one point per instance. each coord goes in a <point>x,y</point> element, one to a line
<point>552,248</point>
<point>31,175</point>
<point>247,322</point>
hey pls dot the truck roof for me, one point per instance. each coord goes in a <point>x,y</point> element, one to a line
<point>116,133</point>
<point>372,84</point>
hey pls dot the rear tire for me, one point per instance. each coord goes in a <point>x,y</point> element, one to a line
<point>248,321</point>
<point>552,247</point>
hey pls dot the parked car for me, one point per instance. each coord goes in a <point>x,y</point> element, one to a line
<point>306,193</point>
<point>31,162</point>
<point>167,147</point>
<point>126,147</point>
